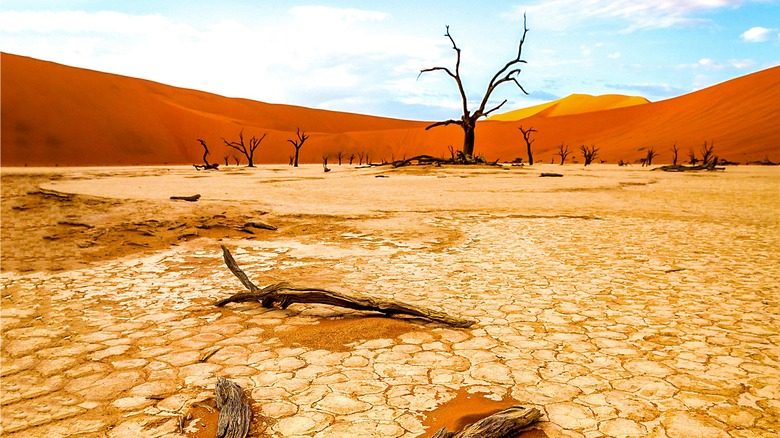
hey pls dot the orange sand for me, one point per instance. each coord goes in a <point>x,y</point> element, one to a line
<point>58,115</point>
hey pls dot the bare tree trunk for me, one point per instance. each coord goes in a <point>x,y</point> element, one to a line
<point>235,414</point>
<point>504,424</point>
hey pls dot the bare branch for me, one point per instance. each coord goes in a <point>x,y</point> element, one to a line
<point>444,123</point>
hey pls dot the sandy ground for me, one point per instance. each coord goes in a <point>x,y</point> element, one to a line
<point>619,301</point>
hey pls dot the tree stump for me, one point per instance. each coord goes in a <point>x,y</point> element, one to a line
<point>235,414</point>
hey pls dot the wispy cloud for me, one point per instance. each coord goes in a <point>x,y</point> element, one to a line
<point>660,90</point>
<point>757,34</point>
<point>635,14</point>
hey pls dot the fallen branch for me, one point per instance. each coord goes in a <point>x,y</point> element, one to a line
<point>192,198</point>
<point>75,224</point>
<point>260,225</point>
<point>504,424</point>
<point>552,174</point>
<point>53,193</point>
<point>284,294</point>
<point>235,413</point>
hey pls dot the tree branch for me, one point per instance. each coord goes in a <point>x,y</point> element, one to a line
<point>445,123</point>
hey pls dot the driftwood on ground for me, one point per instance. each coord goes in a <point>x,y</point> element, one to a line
<point>284,294</point>
<point>235,414</point>
<point>709,165</point>
<point>192,198</point>
<point>552,174</point>
<point>504,424</point>
<point>427,159</point>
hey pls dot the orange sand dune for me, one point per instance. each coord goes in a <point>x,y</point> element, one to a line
<point>573,104</point>
<point>58,115</point>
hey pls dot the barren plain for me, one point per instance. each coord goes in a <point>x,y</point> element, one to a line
<point>617,300</point>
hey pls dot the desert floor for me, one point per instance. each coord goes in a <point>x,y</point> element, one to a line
<point>618,301</point>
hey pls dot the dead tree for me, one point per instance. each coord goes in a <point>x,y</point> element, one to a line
<point>298,143</point>
<point>589,153</point>
<point>563,152</point>
<point>339,156</point>
<point>692,160</point>
<point>528,142</point>
<point>206,165</point>
<point>360,158</point>
<point>226,157</point>
<point>706,152</point>
<point>248,152</point>
<point>283,294</point>
<point>674,157</point>
<point>325,163</point>
<point>351,158</point>
<point>648,160</point>
<point>468,121</point>
<point>236,159</point>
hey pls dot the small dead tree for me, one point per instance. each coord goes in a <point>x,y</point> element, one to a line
<point>563,152</point>
<point>675,151</point>
<point>206,165</point>
<point>589,153</point>
<point>361,155</point>
<point>339,156</point>
<point>528,142</point>
<point>692,160</point>
<point>706,152</point>
<point>226,157</point>
<point>248,152</point>
<point>351,158</point>
<point>236,159</point>
<point>648,160</point>
<point>468,121</point>
<point>325,163</point>
<point>298,143</point>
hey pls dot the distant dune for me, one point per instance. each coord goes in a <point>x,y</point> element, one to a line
<point>573,104</point>
<point>58,115</point>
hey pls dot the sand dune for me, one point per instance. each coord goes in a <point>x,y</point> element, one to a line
<point>573,104</point>
<point>58,115</point>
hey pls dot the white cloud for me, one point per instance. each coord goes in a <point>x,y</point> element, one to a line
<point>614,55</point>
<point>757,34</point>
<point>638,14</point>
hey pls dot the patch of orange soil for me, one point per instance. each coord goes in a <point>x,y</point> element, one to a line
<point>466,409</point>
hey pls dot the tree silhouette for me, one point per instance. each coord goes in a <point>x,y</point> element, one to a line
<point>298,143</point>
<point>249,152</point>
<point>528,142</point>
<point>589,153</point>
<point>675,151</point>
<point>468,121</point>
<point>563,152</point>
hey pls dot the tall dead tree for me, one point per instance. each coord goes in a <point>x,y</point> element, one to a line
<point>675,151</point>
<point>249,152</point>
<point>468,121</point>
<point>563,152</point>
<point>589,153</point>
<point>706,152</point>
<point>528,142</point>
<point>648,160</point>
<point>300,139</point>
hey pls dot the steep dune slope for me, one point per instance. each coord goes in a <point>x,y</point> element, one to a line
<point>573,104</point>
<point>58,115</point>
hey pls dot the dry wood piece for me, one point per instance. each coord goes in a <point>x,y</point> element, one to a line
<point>53,193</point>
<point>552,174</point>
<point>260,225</point>
<point>283,294</point>
<point>192,198</point>
<point>504,424</point>
<point>235,413</point>
<point>75,224</point>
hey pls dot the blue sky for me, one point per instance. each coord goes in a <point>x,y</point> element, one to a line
<point>365,56</point>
